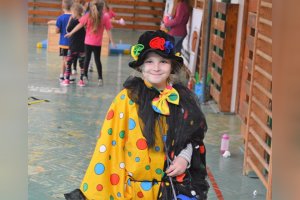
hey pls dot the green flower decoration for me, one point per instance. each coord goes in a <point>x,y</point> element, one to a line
<point>136,50</point>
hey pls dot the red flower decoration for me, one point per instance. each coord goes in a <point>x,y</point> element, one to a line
<point>157,43</point>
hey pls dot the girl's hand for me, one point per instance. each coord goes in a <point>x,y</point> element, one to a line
<point>68,35</point>
<point>177,167</point>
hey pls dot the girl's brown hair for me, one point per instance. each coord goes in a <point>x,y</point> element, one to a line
<point>106,5</point>
<point>95,14</point>
<point>175,3</point>
<point>66,4</point>
<point>77,8</point>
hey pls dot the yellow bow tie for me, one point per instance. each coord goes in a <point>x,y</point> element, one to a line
<point>160,103</point>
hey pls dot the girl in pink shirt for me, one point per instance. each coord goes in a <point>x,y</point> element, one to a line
<point>95,21</point>
<point>112,14</point>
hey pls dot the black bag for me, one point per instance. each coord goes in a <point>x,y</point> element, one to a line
<point>75,195</point>
<point>189,188</point>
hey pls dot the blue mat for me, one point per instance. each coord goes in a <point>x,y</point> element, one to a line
<point>120,49</point>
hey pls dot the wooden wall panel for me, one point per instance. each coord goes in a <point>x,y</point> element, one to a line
<point>257,124</point>
<point>139,15</point>
<point>222,52</point>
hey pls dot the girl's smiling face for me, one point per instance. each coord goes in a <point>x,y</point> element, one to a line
<point>156,70</point>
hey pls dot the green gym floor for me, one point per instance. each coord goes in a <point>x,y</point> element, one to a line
<point>63,130</point>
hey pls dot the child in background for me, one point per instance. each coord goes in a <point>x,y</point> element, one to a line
<point>76,50</point>
<point>86,10</point>
<point>74,70</point>
<point>95,21</point>
<point>61,25</point>
<point>112,14</point>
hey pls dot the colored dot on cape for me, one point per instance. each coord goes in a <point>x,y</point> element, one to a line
<point>140,194</point>
<point>114,179</point>
<point>158,171</point>
<point>146,185</point>
<point>122,134</point>
<point>132,124</point>
<point>137,159</point>
<point>99,187</point>
<point>122,165</point>
<point>102,148</point>
<point>85,187</point>
<point>141,144</point>
<point>110,115</point>
<point>131,102</point>
<point>99,168</point>
<point>128,182</point>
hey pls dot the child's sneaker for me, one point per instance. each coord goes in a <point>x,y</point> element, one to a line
<point>66,82</point>
<point>100,82</point>
<point>61,79</point>
<point>85,79</point>
<point>81,83</point>
<point>72,79</point>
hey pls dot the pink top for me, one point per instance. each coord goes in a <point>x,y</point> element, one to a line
<point>91,38</point>
<point>179,21</point>
<point>111,13</point>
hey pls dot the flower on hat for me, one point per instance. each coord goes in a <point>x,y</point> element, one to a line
<point>154,41</point>
<point>136,50</point>
<point>157,43</point>
<point>178,54</point>
<point>169,46</point>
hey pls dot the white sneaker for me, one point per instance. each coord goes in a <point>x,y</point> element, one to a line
<point>100,82</point>
<point>85,79</point>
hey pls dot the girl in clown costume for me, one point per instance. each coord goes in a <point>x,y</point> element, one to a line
<point>151,142</point>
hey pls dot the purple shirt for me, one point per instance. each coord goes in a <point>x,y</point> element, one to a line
<point>179,21</point>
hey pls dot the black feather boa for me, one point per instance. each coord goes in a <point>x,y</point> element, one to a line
<point>186,121</point>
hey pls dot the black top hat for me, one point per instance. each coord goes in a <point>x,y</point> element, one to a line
<point>153,41</point>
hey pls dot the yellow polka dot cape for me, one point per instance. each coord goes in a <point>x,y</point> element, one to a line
<point>122,165</point>
<point>121,153</point>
